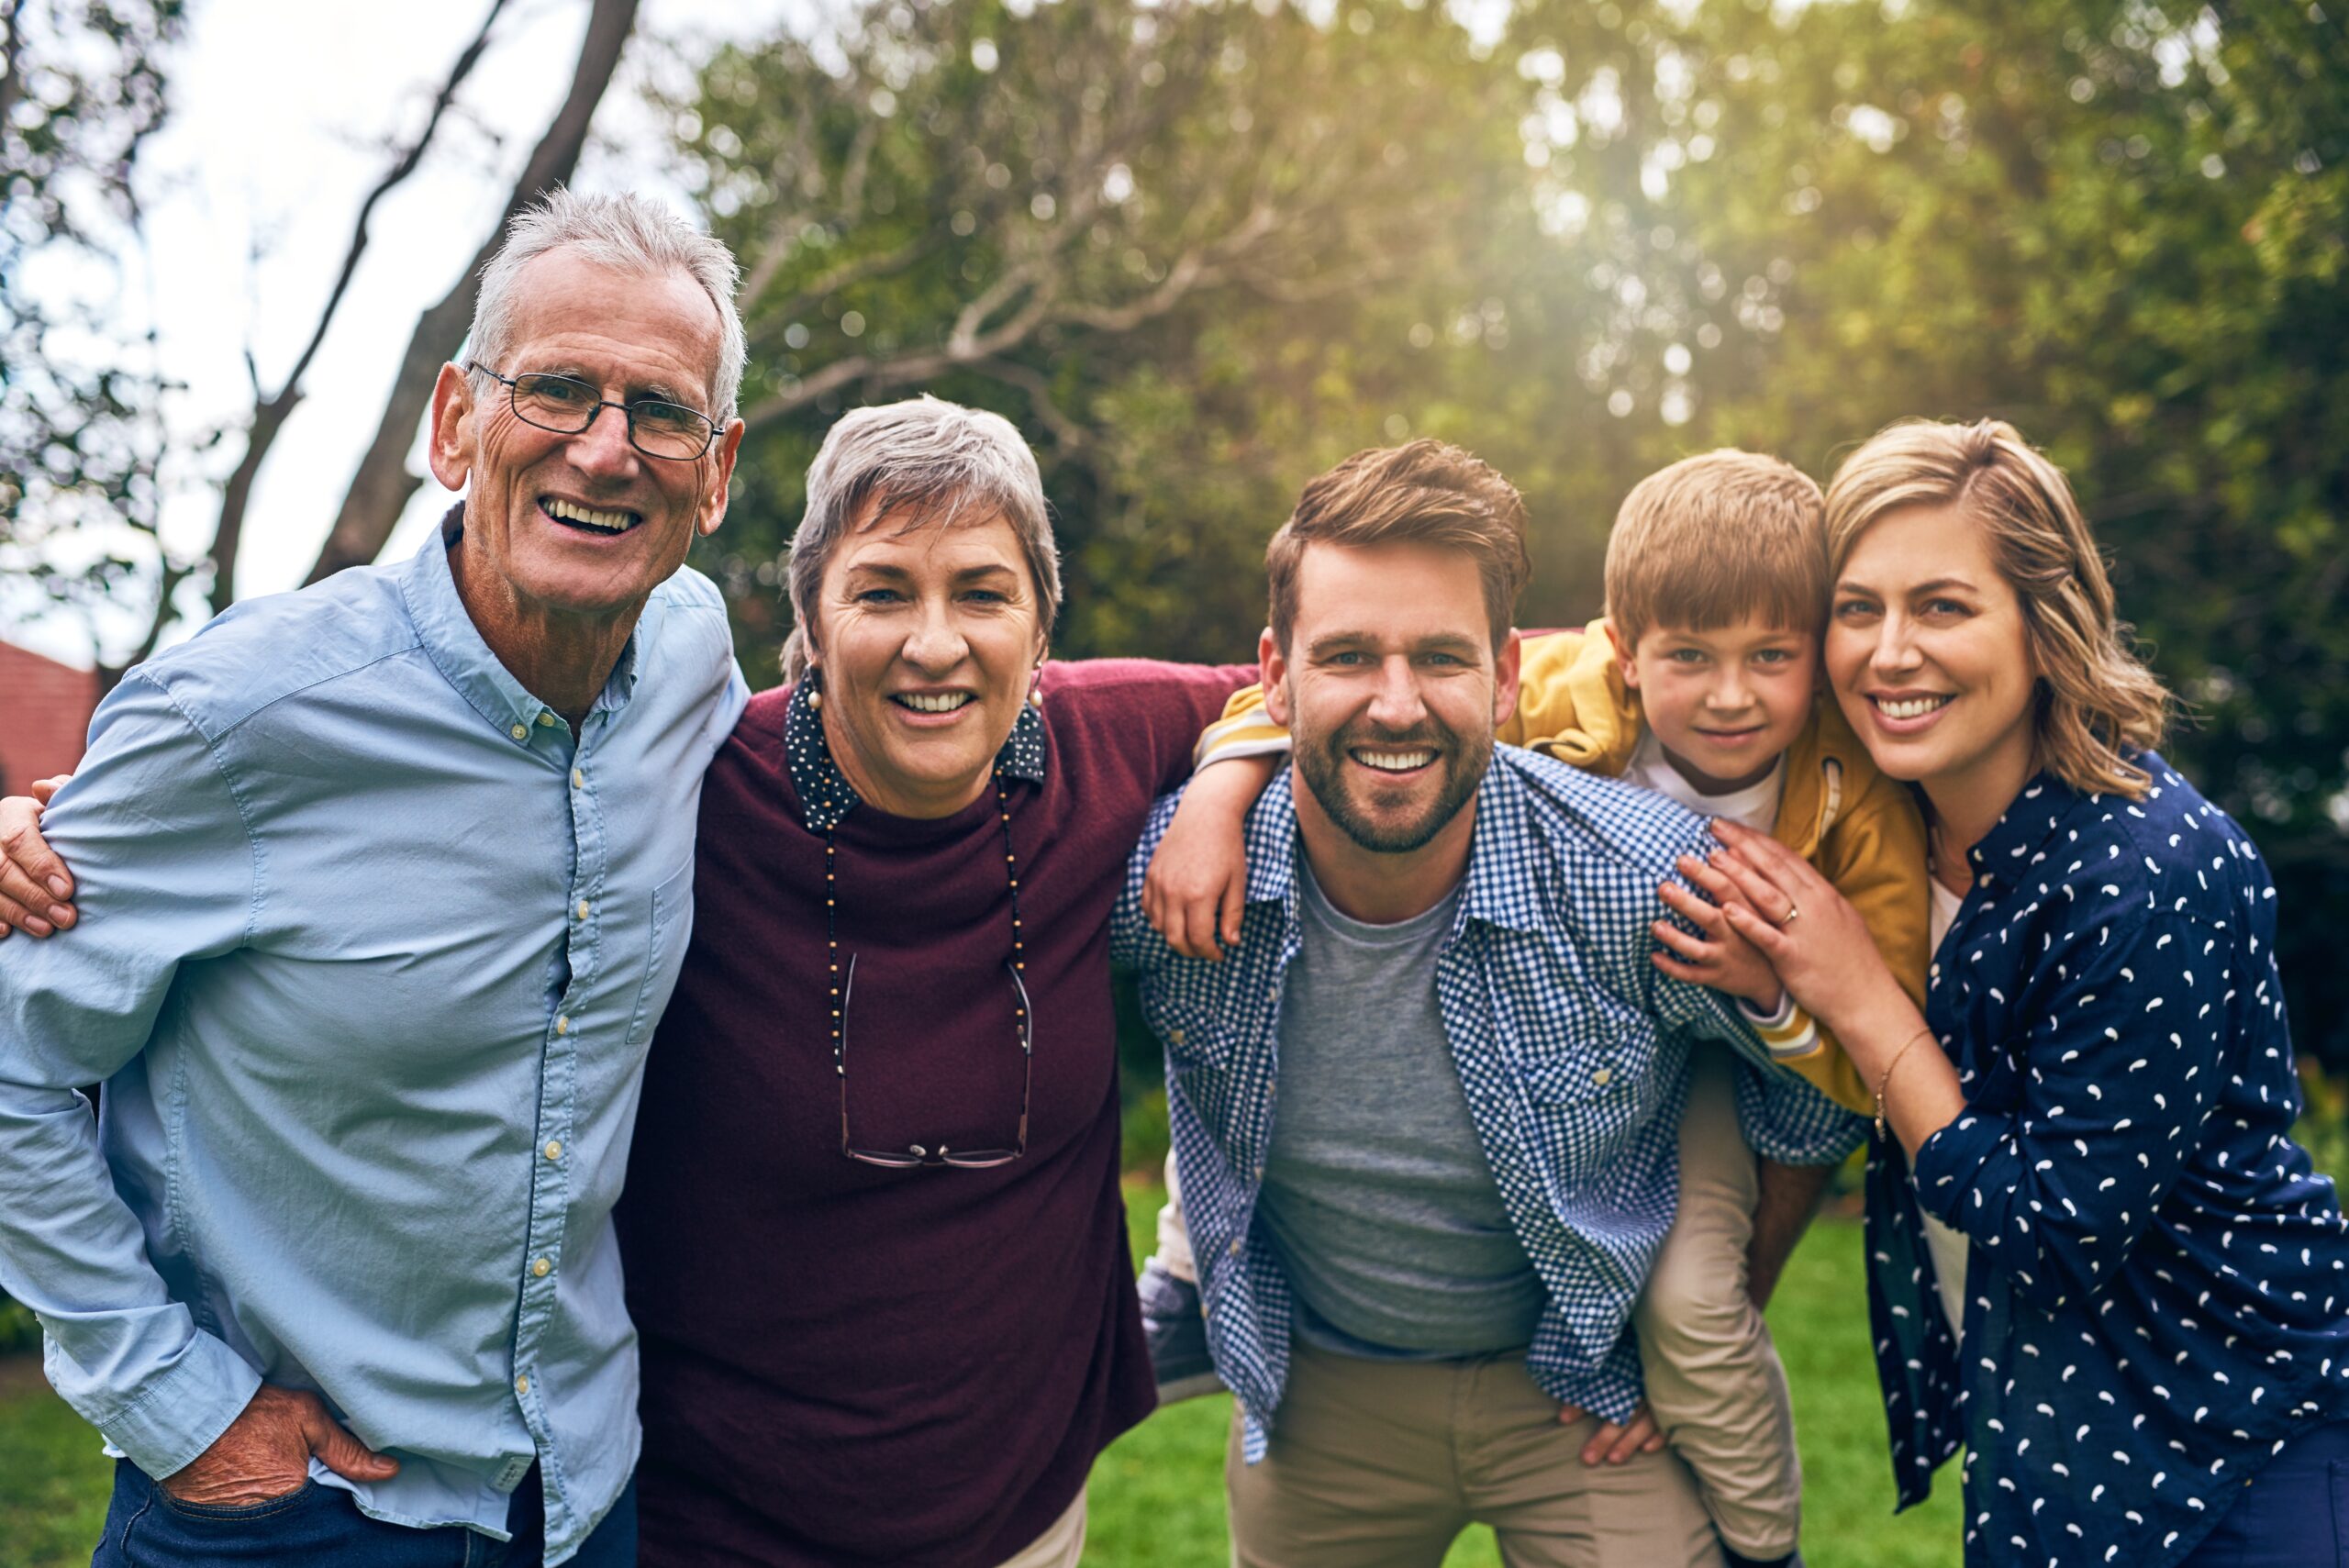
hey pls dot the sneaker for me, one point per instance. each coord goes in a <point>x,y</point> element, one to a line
<point>1729,1556</point>
<point>1177,1332</point>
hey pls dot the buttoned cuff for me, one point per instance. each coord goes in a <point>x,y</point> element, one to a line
<point>182,1410</point>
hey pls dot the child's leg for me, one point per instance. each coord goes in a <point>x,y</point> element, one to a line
<point>1713,1377</point>
<point>1171,1320</point>
<point>1174,1236</point>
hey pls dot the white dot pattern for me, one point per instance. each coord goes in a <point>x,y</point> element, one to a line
<point>2157,1287</point>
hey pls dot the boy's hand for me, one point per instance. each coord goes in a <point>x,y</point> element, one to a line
<point>1814,940</point>
<point>35,886</point>
<point>1718,955</point>
<point>1197,883</point>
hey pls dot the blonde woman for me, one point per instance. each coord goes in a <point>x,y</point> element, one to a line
<point>2097,1258</point>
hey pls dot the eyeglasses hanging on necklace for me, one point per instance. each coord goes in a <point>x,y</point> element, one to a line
<point>843,985</point>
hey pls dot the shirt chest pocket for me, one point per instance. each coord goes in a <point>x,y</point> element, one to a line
<point>1197,1042</point>
<point>1588,1068</point>
<point>671,926</point>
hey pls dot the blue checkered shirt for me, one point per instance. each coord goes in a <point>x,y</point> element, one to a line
<point>1573,1051</point>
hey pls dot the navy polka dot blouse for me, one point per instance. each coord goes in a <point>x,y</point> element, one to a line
<point>2157,1286</point>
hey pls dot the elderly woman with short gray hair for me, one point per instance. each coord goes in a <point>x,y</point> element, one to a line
<point>875,1246</point>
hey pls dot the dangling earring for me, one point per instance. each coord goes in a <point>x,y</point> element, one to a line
<point>1036,685</point>
<point>815,678</point>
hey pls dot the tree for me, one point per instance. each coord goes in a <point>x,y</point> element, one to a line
<point>82,435</point>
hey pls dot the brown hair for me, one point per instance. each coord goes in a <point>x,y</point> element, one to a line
<point>1715,539</point>
<point>2097,700</point>
<point>1425,492</point>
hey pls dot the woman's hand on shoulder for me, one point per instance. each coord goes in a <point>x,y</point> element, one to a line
<point>1197,883</point>
<point>1808,932</point>
<point>36,889</point>
<point>1714,954</point>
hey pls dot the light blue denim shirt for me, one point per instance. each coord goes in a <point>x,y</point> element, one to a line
<point>370,948</point>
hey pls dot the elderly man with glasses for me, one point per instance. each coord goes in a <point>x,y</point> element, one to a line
<point>388,880</point>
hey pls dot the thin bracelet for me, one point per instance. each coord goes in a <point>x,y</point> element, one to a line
<point>1884,1081</point>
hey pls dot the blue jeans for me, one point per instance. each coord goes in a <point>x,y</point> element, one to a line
<point>148,1528</point>
<point>2294,1514</point>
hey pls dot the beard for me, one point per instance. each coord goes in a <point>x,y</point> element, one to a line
<point>1322,762</point>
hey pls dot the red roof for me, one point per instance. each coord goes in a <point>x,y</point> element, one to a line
<point>45,711</point>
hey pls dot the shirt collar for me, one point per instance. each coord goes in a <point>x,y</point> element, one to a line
<point>2030,820</point>
<point>465,661</point>
<point>826,796</point>
<point>1498,889</point>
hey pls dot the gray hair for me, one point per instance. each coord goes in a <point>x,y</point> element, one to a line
<point>629,234</point>
<point>949,463</point>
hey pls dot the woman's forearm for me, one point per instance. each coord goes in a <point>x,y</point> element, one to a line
<point>1898,1058</point>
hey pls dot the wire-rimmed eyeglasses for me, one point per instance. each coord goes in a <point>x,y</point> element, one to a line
<point>568,406</point>
<point>915,1155</point>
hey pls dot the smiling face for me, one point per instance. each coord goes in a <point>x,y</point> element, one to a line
<point>1726,703</point>
<point>924,642</point>
<point>1391,689</point>
<point>1929,657</point>
<point>583,525</point>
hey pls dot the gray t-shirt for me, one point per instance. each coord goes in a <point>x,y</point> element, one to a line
<point>1377,1196</point>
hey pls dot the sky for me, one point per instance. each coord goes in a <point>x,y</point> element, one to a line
<point>283,112</point>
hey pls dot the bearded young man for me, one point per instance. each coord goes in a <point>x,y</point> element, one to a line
<point>1419,1256</point>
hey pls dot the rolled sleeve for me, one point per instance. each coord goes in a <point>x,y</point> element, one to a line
<point>167,872</point>
<point>2123,1059</point>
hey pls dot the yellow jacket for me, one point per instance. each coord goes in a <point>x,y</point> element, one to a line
<point>1861,829</point>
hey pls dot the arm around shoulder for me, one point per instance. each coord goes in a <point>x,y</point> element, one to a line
<point>168,872</point>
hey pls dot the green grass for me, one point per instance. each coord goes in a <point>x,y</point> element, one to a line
<point>53,1480</point>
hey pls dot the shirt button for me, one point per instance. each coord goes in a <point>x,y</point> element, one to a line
<point>546,719</point>
<point>1602,1077</point>
<point>521,732</point>
<point>562,1024</point>
<point>522,1385</point>
<point>554,1148</point>
<point>543,1268</point>
<point>1174,1037</point>
<point>1234,1248</point>
<point>583,909</point>
<point>578,779</point>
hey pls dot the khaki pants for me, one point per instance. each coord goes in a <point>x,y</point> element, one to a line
<point>1713,1378</point>
<point>1061,1546</point>
<point>1379,1464</point>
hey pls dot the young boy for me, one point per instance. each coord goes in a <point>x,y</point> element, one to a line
<point>1701,684</point>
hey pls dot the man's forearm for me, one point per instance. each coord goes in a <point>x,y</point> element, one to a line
<point>1788,1196</point>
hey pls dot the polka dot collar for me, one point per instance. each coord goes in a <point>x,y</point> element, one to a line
<point>826,796</point>
<point>2030,819</point>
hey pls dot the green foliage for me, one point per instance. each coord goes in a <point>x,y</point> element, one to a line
<point>1200,252</point>
<point>18,1328</point>
<point>82,88</point>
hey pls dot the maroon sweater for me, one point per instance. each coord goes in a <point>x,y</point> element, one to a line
<point>846,1365</point>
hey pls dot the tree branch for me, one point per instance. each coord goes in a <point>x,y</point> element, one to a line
<point>270,413</point>
<point>11,70</point>
<point>381,488</point>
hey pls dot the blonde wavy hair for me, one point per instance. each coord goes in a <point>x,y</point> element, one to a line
<point>2097,701</point>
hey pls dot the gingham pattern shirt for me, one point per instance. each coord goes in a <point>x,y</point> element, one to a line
<point>1572,1047</point>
